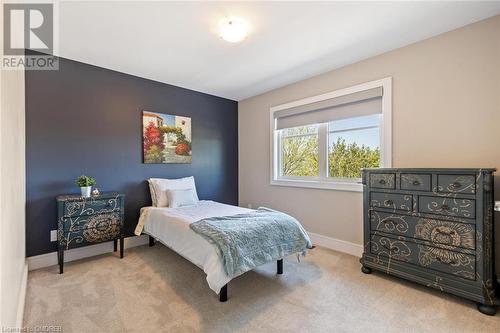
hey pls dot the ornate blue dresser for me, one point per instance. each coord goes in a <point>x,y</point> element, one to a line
<point>87,221</point>
<point>433,227</point>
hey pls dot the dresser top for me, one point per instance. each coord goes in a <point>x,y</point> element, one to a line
<point>77,197</point>
<point>444,170</point>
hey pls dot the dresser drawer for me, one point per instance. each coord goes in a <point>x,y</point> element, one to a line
<point>457,183</point>
<point>391,201</point>
<point>415,182</point>
<point>454,234</point>
<point>91,221</point>
<point>91,206</point>
<point>447,206</point>
<point>383,180</point>
<point>450,262</point>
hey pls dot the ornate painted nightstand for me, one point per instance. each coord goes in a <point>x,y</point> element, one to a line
<point>88,221</point>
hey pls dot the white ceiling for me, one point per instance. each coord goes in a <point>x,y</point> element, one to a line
<point>177,42</point>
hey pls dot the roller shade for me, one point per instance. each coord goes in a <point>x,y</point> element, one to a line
<point>358,104</point>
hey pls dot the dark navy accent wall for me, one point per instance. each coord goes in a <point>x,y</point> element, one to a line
<point>84,119</point>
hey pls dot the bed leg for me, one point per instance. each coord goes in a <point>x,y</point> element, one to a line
<point>223,294</point>
<point>280,266</point>
<point>151,241</point>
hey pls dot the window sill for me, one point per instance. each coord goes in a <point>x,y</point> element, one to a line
<point>323,185</point>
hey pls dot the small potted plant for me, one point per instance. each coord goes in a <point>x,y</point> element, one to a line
<point>85,183</point>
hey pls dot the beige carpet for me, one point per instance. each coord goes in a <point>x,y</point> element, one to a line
<point>156,290</point>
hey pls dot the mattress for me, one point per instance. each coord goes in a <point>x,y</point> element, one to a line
<point>171,227</point>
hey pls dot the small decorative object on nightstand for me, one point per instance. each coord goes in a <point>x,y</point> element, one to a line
<point>86,221</point>
<point>85,183</point>
<point>95,192</point>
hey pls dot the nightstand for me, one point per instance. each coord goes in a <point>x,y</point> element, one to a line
<point>88,221</point>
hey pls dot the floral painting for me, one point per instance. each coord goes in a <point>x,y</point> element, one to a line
<point>166,138</point>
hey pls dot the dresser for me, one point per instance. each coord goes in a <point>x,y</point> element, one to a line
<point>88,221</point>
<point>433,227</point>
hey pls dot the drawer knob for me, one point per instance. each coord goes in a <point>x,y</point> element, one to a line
<point>456,185</point>
<point>389,202</point>
<point>416,182</point>
<point>445,207</point>
<point>382,181</point>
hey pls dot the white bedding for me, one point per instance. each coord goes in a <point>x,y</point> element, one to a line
<point>171,227</point>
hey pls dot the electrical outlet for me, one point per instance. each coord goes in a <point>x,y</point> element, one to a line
<point>250,206</point>
<point>53,235</point>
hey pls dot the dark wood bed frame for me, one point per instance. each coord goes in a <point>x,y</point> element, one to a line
<point>223,291</point>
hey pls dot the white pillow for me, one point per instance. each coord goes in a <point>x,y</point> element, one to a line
<point>179,198</point>
<point>160,186</point>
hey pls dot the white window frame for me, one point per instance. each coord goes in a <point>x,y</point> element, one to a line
<point>341,184</point>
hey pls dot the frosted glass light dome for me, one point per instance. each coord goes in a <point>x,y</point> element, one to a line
<point>233,29</point>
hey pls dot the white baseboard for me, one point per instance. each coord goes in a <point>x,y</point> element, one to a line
<point>50,259</point>
<point>22,296</point>
<point>336,244</point>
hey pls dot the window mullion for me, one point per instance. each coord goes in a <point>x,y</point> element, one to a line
<point>382,142</point>
<point>279,140</point>
<point>323,150</point>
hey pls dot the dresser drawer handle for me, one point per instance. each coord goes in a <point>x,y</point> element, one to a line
<point>452,232</point>
<point>391,222</point>
<point>416,182</point>
<point>451,262</point>
<point>390,248</point>
<point>389,202</point>
<point>382,181</point>
<point>445,207</point>
<point>456,185</point>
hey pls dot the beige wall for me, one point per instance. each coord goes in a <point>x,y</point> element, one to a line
<point>13,269</point>
<point>446,113</point>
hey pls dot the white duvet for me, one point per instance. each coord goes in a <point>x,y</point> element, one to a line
<point>171,227</point>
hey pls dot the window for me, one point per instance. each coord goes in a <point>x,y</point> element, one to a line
<point>325,141</point>
<point>353,143</point>
<point>299,151</point>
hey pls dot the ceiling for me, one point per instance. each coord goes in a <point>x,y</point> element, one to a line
<point>177,42</point>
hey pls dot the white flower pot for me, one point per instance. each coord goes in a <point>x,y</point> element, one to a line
<point>86,191</point>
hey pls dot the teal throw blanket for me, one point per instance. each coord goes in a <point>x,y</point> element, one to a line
<point>245,241</point>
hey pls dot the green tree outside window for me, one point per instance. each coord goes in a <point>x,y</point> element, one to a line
<point>299,156</point>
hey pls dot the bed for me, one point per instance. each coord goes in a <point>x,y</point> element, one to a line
<point>177,228</point>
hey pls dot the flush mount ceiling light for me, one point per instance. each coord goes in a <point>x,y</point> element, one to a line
<point>233,29</point>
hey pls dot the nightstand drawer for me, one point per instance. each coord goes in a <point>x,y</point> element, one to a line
<point>383,180</point>
<point>92,206</point>
<point>83,237</point>
<point>391,201</point>
<point>453,234</point>
<point>91,221</point>
<point>447,206</point>
<point>101,234</point>
<point>450,262</point>
<point>457,183</point>
<point>415,182</point>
